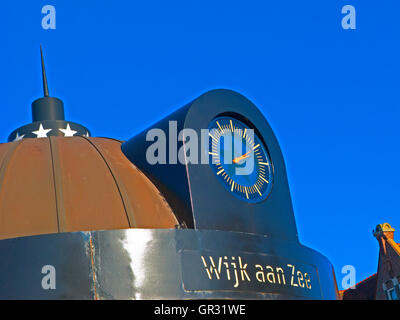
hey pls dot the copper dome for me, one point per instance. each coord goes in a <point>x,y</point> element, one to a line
<point>60,184</point>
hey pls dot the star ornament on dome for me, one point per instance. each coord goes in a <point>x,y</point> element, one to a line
<point>67,131</point>
<point>41,133</point>
<point>18,137</point>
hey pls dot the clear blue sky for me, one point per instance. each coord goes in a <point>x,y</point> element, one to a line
<point>331,95</point>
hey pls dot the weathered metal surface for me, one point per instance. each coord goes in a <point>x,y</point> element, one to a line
<point>59,184</point>
<point>144,204</point>
<point>160,264</point>
<point>91,199</point>
<point>27,202</point>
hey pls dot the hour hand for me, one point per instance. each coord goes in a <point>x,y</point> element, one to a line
<point>244,156</point>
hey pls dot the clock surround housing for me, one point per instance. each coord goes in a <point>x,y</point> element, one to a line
<point>195,195</point>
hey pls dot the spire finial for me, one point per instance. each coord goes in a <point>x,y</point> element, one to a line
<point>47,117</point>
<point>45,87</point>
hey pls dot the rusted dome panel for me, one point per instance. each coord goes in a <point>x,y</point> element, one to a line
<point>27,202</point>
<point>145,206</point>
<point>60,184</point>
<point>87,196</point>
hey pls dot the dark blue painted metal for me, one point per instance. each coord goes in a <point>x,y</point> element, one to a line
<point>159,264</point>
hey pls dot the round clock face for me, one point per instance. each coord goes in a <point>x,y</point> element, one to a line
<point>239,159</point>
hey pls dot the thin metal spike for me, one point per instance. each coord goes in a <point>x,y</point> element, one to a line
<point>45,87</point>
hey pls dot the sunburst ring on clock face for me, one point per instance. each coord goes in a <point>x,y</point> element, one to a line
<point>239,159</point>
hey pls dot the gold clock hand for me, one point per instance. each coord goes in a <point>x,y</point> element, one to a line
<point>244,156</point>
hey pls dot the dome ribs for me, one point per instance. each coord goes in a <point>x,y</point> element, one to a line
<point>119,185</point>
<point>57,185</point>
<point>26,181</point>
<point>69,184</point>
<point>149,207</point>
<point>5,159</point>
<point>90,198</point>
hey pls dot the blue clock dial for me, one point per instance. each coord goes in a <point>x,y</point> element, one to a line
<point>239,159</point>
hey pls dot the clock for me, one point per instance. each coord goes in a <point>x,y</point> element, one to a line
<point>239,159</point>
<point>238,181</point>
